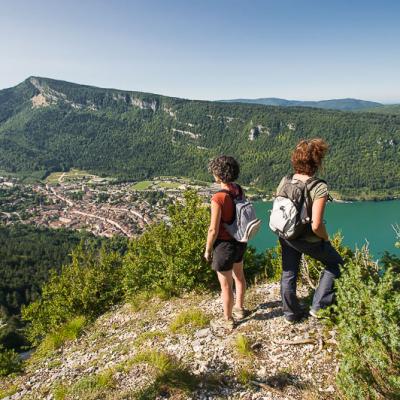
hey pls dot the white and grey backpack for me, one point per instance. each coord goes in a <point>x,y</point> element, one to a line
<point>291,210</point>
<point>244,224</point>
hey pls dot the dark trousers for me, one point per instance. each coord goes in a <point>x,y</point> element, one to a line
<point>291,257</point>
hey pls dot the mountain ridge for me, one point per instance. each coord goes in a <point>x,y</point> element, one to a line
<point>344,104</point>
<point>50,125</point>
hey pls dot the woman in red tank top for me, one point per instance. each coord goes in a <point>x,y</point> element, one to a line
<point>222,250</point>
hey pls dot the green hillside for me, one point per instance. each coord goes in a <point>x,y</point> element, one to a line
<point>48,125</point>
<point>390,109</point>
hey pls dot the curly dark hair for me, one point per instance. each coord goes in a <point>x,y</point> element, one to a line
<point>225,168</point>
<point>308,155</point>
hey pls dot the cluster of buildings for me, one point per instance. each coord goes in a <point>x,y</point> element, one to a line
<point>97,205</point>
<point>103,209</point>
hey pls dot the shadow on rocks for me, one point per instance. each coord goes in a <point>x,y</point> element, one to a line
<point>275,308</point>
<point>283,379</point>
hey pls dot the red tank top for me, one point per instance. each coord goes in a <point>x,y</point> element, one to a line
<point>227,209</point>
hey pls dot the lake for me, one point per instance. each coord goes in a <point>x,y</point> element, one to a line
<point>358,221</point>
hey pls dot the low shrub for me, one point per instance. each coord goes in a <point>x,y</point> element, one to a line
<point>8,392</point>
<point>168,257</point>
<point>245,376</point>
<point>54,340</point>
<point>171,378</point>
<point>87,287</point>
<point>147,336</point>
<point>243,345</point>
<point>9,362</point>
<point>189,320</point>
<point>90,387</point>
<point>368,323</point>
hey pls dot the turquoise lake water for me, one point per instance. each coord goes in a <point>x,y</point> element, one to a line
<point>359,222</point>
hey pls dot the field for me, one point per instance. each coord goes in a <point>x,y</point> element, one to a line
<point>143,185</point>
<point>57,177</point>
<point>169,185</point>
<point>167,182</point>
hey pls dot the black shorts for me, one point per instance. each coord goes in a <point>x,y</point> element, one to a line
<point>227,252</point>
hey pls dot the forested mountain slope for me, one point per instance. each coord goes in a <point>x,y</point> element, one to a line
<point>391,109</point>
<point>48,125</point>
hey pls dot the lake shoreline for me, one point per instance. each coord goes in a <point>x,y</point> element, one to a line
<point>359,222</point>
<point>337,198</point>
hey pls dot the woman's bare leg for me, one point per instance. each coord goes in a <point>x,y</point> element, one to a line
<point>240,283</point>
<point>225,280</point>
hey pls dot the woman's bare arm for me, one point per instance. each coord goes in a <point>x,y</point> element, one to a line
<point>317,223</point>
<point>213,228</point>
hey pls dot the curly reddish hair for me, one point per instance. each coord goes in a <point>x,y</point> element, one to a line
<point>308,155</point>
<point>225,168</point>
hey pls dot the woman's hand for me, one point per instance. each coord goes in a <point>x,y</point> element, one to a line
<point>208,255</point>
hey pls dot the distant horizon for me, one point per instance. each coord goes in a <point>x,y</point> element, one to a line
<point>208,50</point>
<point>392,102</point>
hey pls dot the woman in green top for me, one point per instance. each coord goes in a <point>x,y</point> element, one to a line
<point>306,160</point>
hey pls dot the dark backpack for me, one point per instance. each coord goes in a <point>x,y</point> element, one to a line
<point>292,207</point>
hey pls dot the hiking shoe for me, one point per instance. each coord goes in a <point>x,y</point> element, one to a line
<point>239,313</point>
<point>291,321</point>
<point>224,324</point>
<point>294,319</point>
<point>315,313</point>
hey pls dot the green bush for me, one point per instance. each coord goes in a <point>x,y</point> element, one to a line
<point>87,287</point>
<point>9,362</point>
<point>368,324</point>
<point>168,257</point>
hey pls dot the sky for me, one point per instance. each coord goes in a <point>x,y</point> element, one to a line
<point>208,49</point>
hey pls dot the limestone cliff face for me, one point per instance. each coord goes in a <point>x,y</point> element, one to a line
<point>48,96</point>
<point>130,351</point>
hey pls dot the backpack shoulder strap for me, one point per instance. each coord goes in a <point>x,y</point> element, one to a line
<point>311,183</point>
<point>240,195</point>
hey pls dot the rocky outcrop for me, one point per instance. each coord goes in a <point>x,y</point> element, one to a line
<point>145,105</point>
<point>192,135</point>
<point>282,362</point>
<point>48,96</point>
<point>291,126</point>
<point>170,111</point>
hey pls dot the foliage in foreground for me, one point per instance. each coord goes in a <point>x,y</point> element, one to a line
<point>90,387</point>
<point>9,362</point>
<point>54,340</point>
<point>368,323</point>
<point>171,376</point>
<point>168,258</point>
<point>189,320</point>
<point>87,287</point>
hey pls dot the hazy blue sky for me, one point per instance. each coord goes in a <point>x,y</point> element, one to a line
<point>208,49</point>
